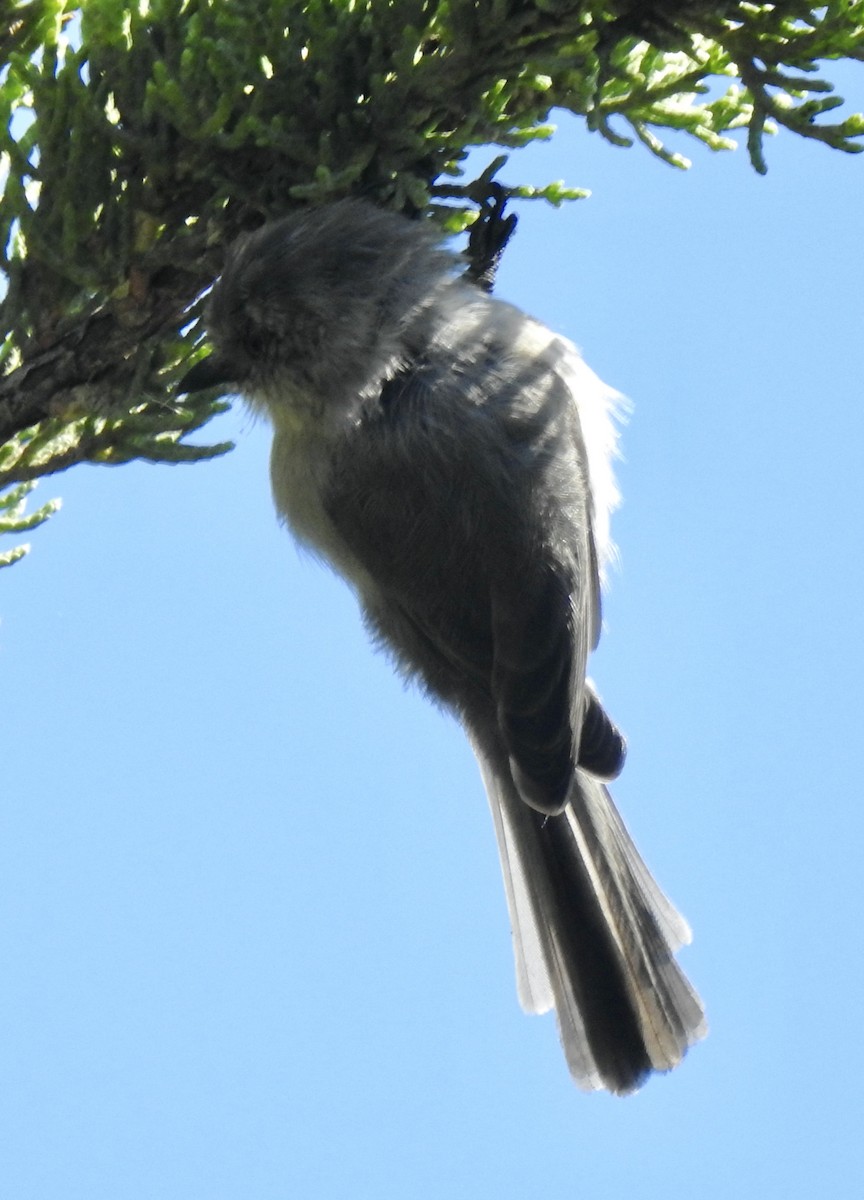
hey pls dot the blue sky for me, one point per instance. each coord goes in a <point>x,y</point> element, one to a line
<point>253,940</point>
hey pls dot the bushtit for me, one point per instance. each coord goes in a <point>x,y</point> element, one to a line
<point>450,457</point>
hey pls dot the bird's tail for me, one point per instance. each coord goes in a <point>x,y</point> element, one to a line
<point>594,937</point>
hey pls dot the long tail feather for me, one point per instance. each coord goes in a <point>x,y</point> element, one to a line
<point>594,937</point>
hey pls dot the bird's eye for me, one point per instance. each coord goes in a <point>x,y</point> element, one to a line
<point>255,342</point>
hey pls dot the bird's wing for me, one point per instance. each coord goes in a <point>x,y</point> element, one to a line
<point>470,509</point>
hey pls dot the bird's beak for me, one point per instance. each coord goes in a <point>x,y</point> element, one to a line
<point>209,372</point>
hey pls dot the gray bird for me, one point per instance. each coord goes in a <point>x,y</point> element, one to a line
<point>451,458</point>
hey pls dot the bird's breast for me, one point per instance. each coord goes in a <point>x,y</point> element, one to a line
<point>301,465</point>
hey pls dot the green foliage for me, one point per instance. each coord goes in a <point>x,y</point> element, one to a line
<point>141,432</point>
<point>138,140</point>
<point>13,519</point>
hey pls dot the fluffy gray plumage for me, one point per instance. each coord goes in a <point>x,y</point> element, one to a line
<point>450,457</point>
